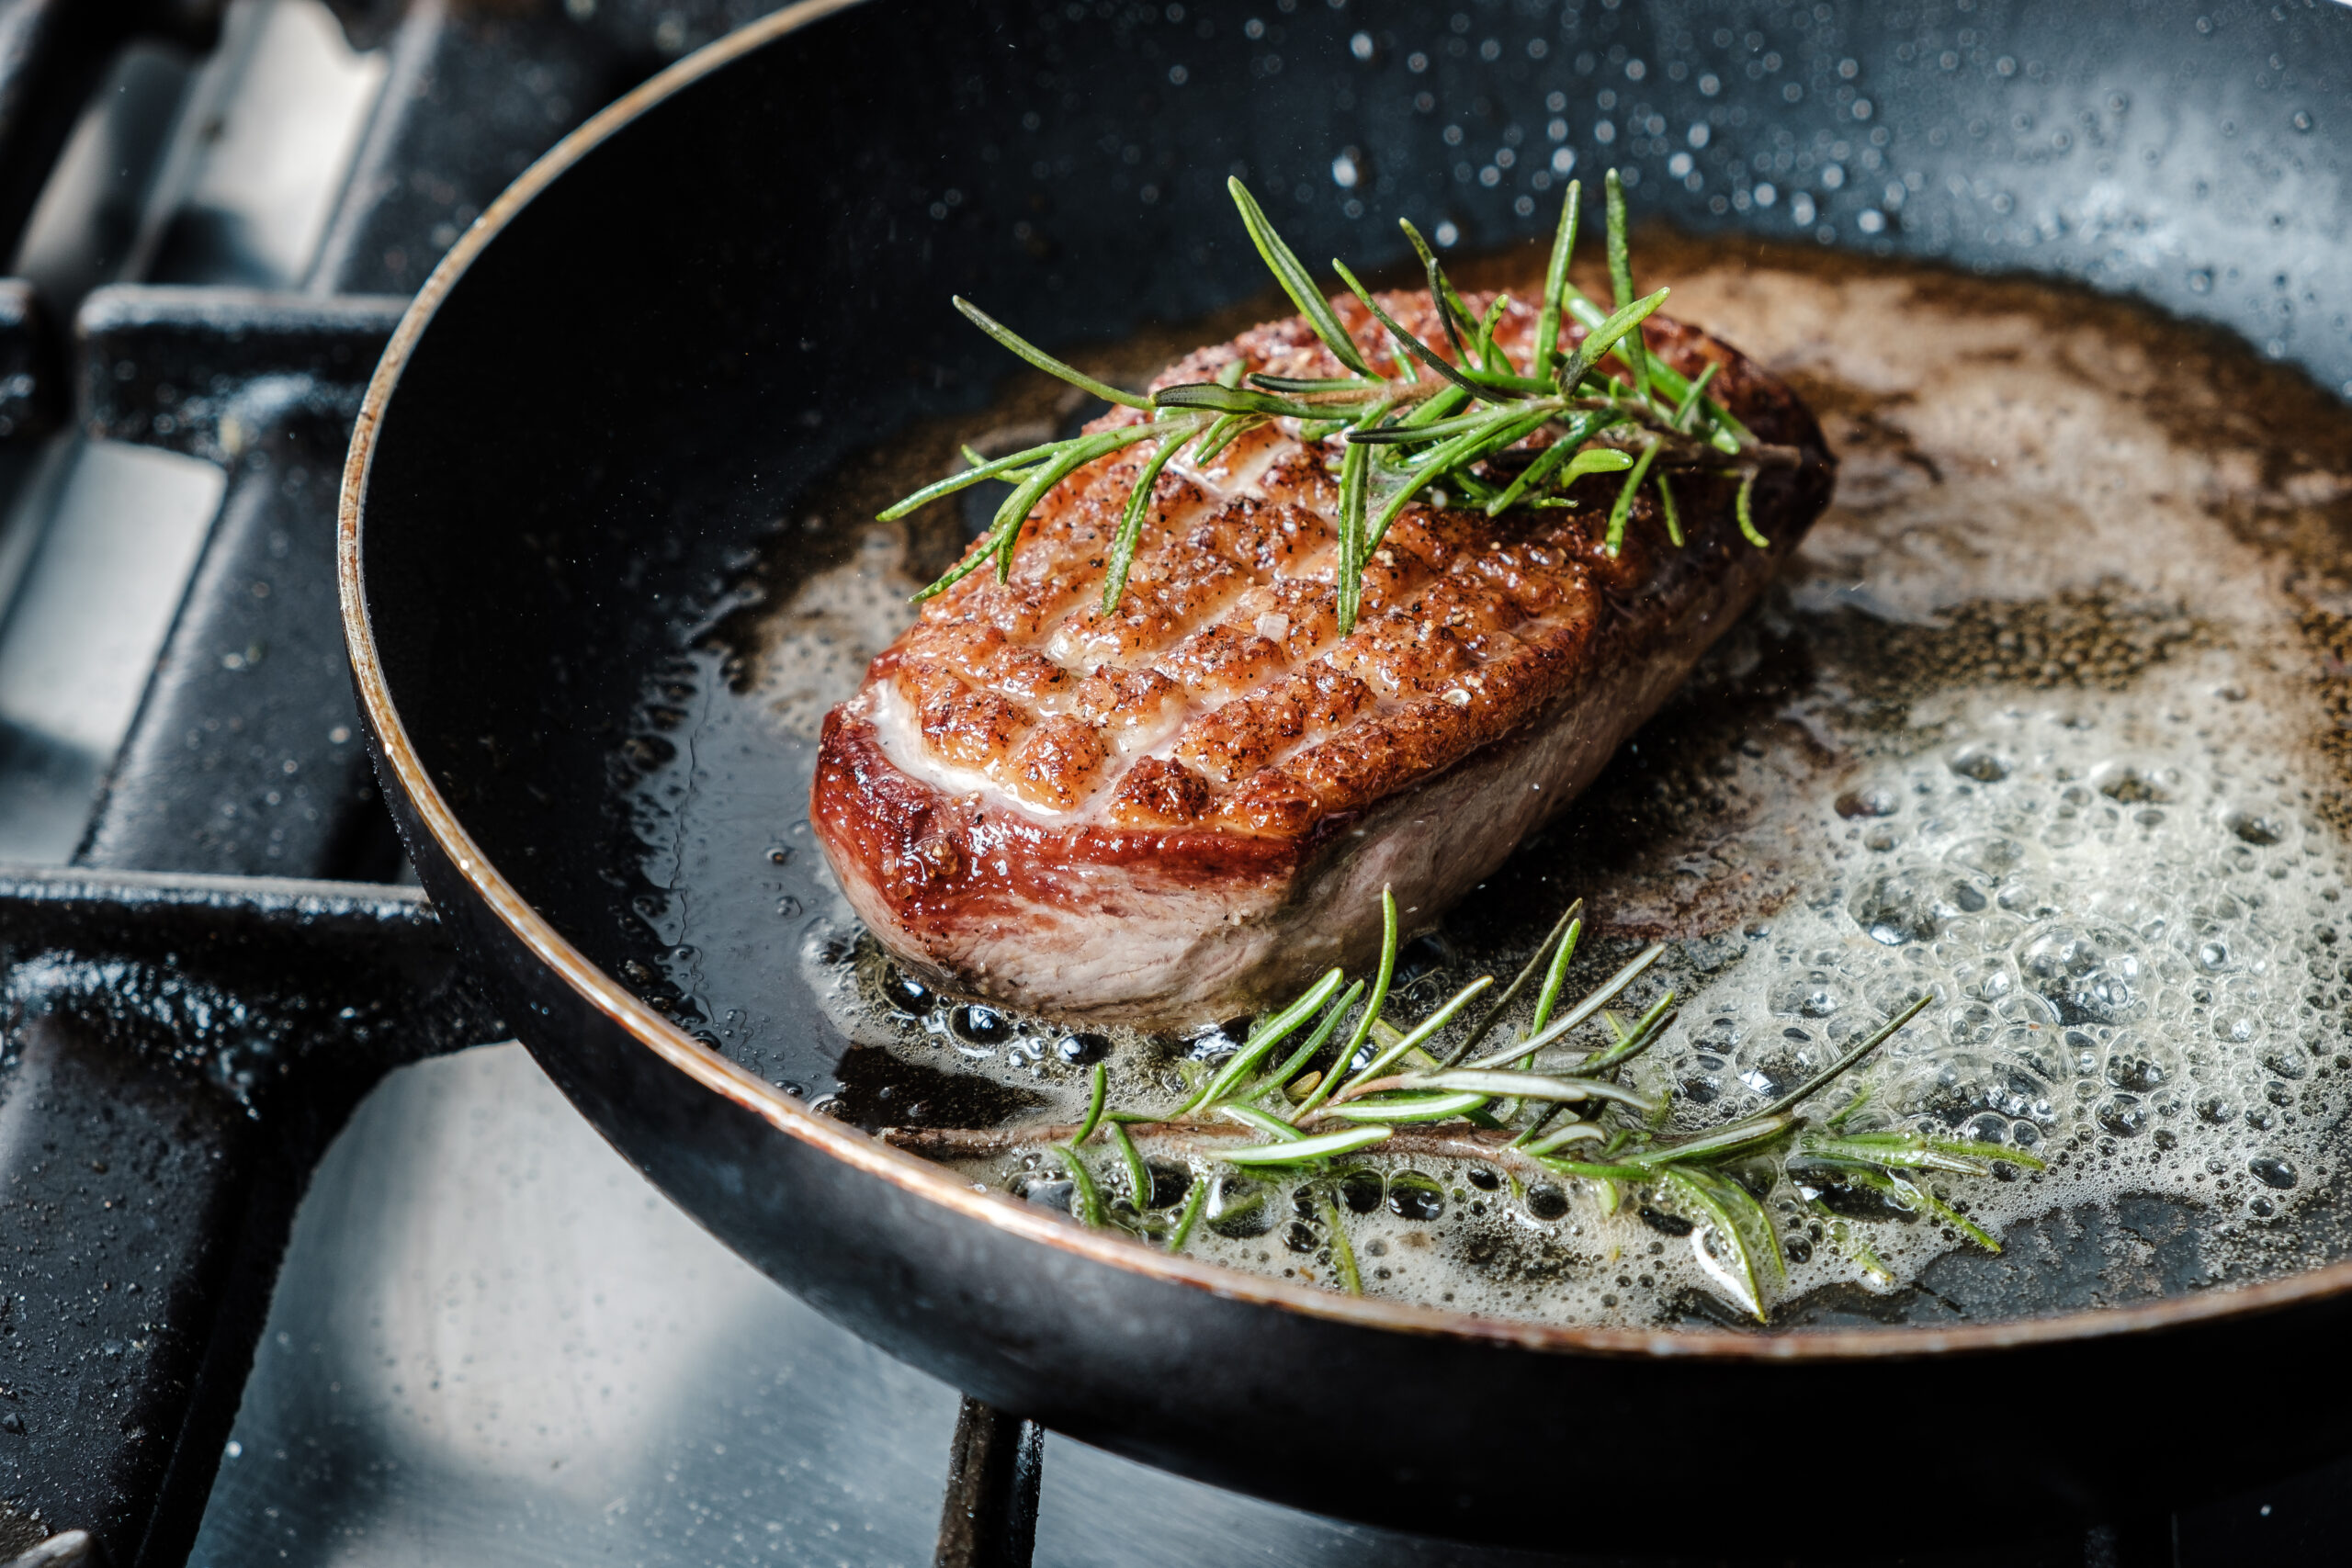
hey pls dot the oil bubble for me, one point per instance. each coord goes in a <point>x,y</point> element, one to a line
<point>978,1025</point>
<point>1081,1050</point>
<point>904,990</point>
<point>1868,802</point>
<point>2284,1060</point>
<point>2130,785</point>
<point>2272,1171</point>
<point>1046,1191</point>
<point>1992,853</point>
<point>1412,1196</point>
<point>1238,1208</point>
<point>1982,763</point>
<point>1665,1224</point>
<point>1893,910</point>
<point>1170,1183</point>
<point>2255,829</point>
<point>2124,1115</point>
<point>2089,976</point>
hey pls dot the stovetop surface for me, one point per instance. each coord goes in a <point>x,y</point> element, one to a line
<point>493,1343</point>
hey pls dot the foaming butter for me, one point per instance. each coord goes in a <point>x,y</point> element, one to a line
<point>2043,723</point>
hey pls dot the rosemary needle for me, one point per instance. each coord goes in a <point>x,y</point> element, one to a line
<point>1138,1174</point>
<point>1314,1042</point>
<point>1305,1149</point>
<point>1388,928</point>
<point>1193,1199</point>
<point>1407,1108</point>
<point>1343,1256</point>
<point>1580,1013</point>
<point>1266,1037</point>
<point>1259,1121</point>
<point>1829,1075</point>
<point>1562,942</point>
<point>1098,1088</point>
<point>1425,1030</point>
<point>1621,280</point>
<point>1085,1202</point>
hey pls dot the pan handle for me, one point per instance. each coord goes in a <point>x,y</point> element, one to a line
<point>990,1517</point>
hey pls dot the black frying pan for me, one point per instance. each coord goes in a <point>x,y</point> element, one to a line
<point>616,390</point>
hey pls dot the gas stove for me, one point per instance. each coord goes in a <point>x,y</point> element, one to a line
<point>290,1273</point>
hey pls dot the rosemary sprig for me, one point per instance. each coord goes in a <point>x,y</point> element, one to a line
<point>1497,1111</point>
<point>1446,425</point>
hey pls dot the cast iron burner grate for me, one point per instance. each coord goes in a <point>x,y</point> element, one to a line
<point>188,1020</point>
<point>185,1038</point>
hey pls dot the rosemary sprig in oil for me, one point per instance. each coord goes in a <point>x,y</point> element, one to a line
<point>1473,429</point>
<point>1382,1091</point>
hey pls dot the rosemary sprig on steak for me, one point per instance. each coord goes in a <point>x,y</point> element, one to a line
<point>1469,427</point>
<point>1550,1104</point>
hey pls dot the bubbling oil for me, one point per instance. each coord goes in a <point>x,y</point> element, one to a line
<point>2042,724</point>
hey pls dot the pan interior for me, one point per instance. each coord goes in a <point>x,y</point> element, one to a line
<point>2048,734</point>
<point>590,600</point>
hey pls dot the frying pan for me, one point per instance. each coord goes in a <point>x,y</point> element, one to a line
<point>620,387</point>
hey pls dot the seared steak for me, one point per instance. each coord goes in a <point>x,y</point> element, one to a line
<point>1178,810</point>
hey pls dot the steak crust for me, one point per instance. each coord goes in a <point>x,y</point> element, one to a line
<point>1184,808</point>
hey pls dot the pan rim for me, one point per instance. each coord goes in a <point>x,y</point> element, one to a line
<point>933,1183</point>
